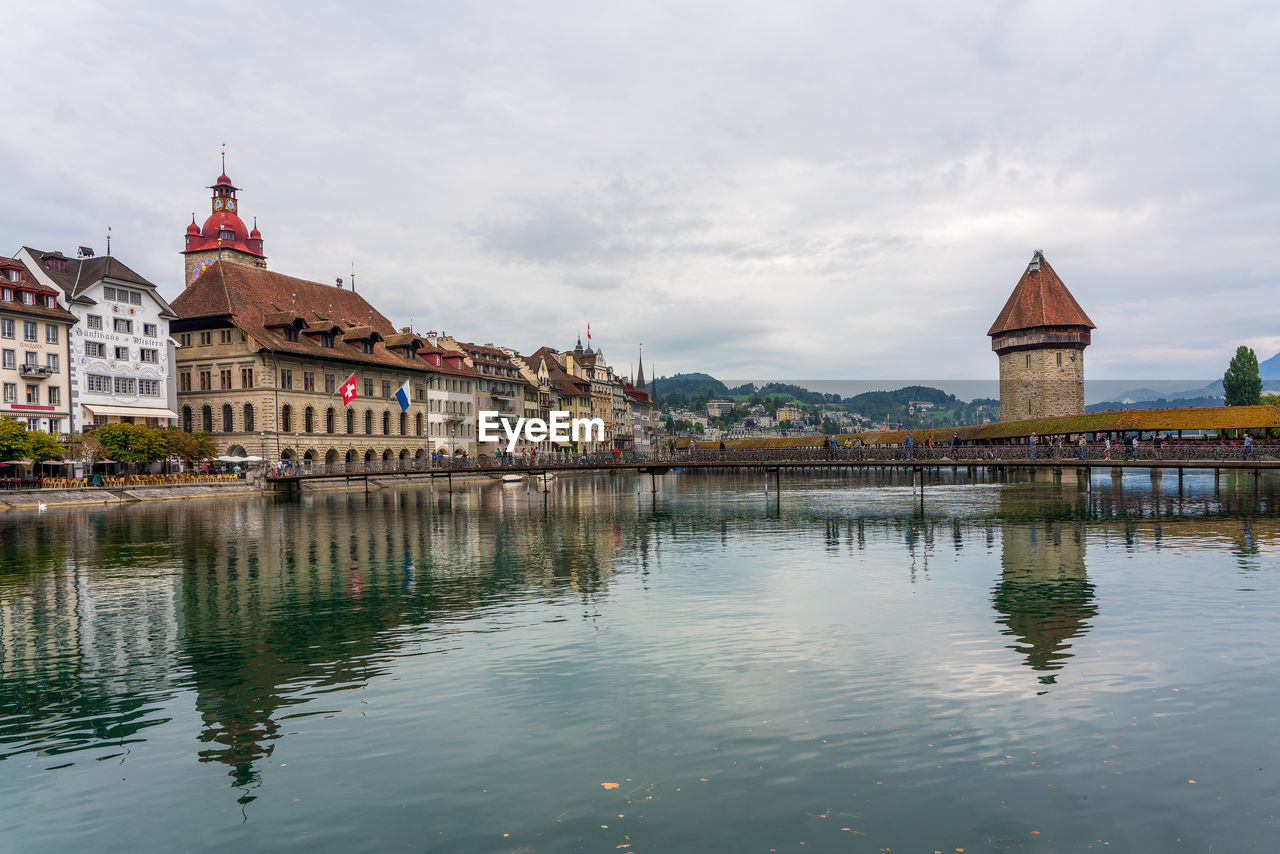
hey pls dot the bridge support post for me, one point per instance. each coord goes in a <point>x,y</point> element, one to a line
<point>653,482</point>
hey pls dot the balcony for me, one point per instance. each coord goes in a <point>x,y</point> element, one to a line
<point>35,372</point>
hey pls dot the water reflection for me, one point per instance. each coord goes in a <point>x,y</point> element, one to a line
<point>1044,597</point>
<point>254,613</point>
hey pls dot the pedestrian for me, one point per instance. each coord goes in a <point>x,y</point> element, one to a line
<point>1082,449</point>
<point>906,443</point>
<point>1247,453</point>
<point>1032,442</point>
<point>722,449</point>
<point>1106,447</point>
<point>1133,445</point>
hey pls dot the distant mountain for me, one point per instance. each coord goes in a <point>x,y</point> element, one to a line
<point>1157,403</point>
<point>690,384</point>
<point>1270,369</point>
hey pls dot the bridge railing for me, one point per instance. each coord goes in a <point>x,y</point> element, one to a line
<point>937,454</point>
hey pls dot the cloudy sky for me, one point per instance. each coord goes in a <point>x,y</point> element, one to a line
<point>790,191</point>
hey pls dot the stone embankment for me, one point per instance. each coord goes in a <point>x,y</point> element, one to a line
<point>26,499</point>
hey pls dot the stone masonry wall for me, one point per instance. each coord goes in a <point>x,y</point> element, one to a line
<point>1041,383</point>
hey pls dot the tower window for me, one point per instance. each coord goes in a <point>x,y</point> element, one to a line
<point>226,235</point>
<point>1059,360</point>
<point>1028,360</point>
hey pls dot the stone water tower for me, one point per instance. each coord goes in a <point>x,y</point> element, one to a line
<point>1040,338</point>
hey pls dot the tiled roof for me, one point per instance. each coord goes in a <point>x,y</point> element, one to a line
<point>28,282</point>
<point>81,273</point>
<point>560,378</point>
<point>1039,299</point>
<point>1197,419</point>
<point>253,297</point>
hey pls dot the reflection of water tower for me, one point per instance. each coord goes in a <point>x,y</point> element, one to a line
<point>1044,595</point>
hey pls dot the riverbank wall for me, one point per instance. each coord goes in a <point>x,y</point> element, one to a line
<point>33,499</point>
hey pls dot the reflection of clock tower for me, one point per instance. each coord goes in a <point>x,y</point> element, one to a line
<point>223,236</point>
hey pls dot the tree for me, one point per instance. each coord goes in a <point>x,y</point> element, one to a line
<point>42,447</point>
<point>85,446</point>
<point>191,448</point>
<point>1270,399</point>
<point>1241,383</point>
<point>13,440</point>
<point>131,443</point>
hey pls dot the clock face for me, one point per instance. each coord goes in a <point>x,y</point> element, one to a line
<point>203,265</point>
<point>217,204</point>
<point>231,204</point>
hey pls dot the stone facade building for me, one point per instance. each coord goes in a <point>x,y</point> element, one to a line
<point>1040,337</point>
<point>34,334</point>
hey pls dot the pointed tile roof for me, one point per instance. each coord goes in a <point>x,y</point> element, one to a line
<point>1039,299</point>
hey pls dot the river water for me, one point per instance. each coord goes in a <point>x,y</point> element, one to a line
<point>1005,666</point>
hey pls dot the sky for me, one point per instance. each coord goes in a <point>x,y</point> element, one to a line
<point>797,191</point>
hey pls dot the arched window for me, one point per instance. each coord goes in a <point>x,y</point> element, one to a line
<point>351,423</point>
<point>309,420</point>
<point>404,424</point>
<point>248,418</point>
<point>206,418</point>
<point>286,419</point>
<point>228,423</point>
<point>328,420</point>
<point>186,419</point>
<point>417,423</point>
<point>368,421</point>
<point>386,423</point>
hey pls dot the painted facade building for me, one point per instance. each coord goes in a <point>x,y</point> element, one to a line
<point>35,329</point>
<point>120,353</point>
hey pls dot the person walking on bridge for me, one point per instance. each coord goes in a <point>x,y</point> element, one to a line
<point>906,445</point>
<point>1247,452</point>
<point>1032,443</point>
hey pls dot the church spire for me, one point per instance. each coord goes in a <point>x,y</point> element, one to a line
<point>640,371</point>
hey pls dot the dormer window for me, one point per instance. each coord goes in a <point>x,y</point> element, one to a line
<point>290,333</point>
<point>57,265</point>
<point>13,275</point>
<point>326,340</point>
<point>28,298</point>
<point>226,234</point>
<point>6,294</point>
<point>366,346</point>
<point>49,302</point>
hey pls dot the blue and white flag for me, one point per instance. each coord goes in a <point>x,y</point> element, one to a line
<point>403,396</point>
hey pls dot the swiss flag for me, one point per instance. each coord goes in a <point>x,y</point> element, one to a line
<point>348,389</point>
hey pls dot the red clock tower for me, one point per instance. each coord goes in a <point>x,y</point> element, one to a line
<point>223,236</point>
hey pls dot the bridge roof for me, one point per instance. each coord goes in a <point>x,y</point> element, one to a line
<point>1113,421</point>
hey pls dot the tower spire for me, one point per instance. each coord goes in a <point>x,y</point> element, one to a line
<point>640,372</point>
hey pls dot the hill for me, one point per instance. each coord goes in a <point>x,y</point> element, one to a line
<point>688,385</point>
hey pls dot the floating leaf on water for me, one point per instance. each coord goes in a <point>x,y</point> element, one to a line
<point>610,785</point>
